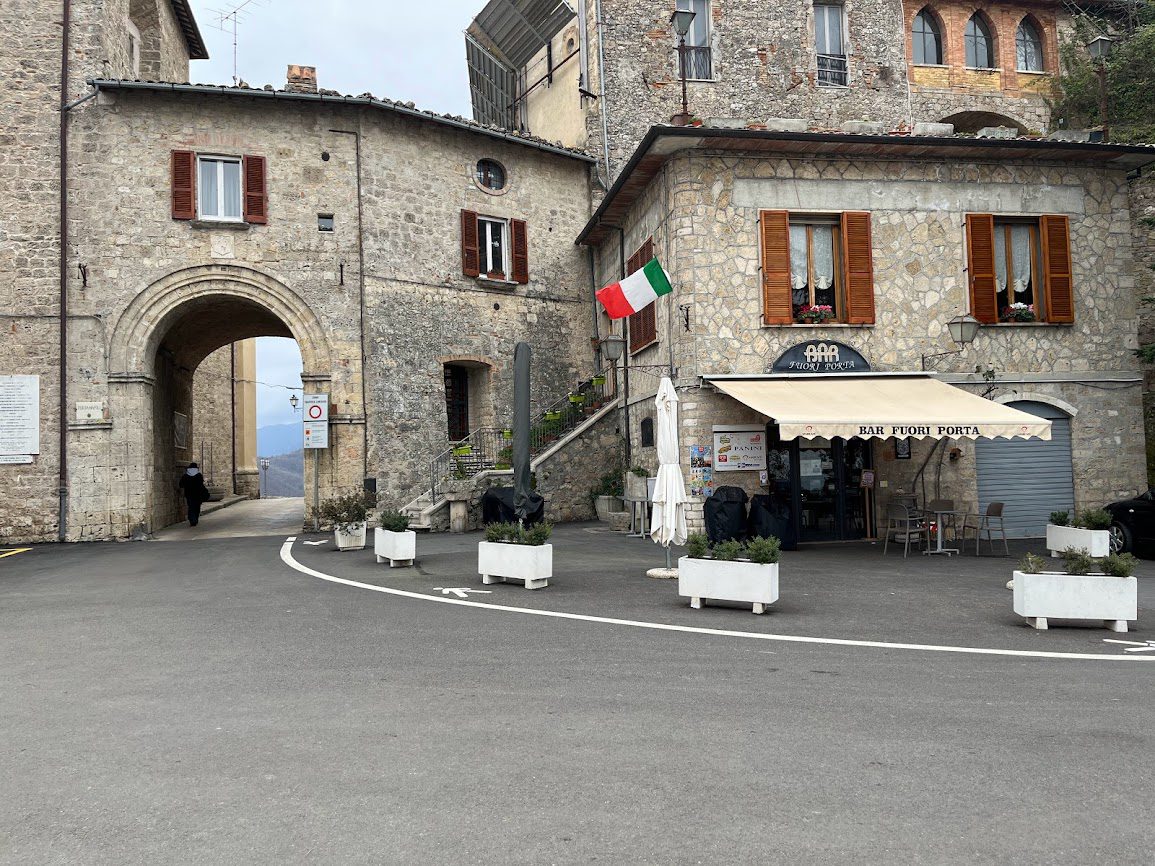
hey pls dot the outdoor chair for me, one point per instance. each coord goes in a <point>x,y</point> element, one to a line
<point>904,524</point>
<point>990,520</point>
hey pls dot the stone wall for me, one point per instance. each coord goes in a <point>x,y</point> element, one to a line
<point>1143,216</point>
<point>212,419</point>
<point>567,475</point>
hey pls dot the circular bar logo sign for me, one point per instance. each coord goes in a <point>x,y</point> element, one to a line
<point>820,356</point>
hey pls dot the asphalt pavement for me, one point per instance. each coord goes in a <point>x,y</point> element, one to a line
<point>203,702</point>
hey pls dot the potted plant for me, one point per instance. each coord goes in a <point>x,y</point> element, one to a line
<point>607,497</point>
<point>1018,312</point>
<point>815,314</point>
<point>393,541</point>
<point>636,485</point>
<point>1103,589</point>
<point>1090,530</point>
<point>348,514</point>
<point>553,415</point>
<point>462,450</point>
<point>515,552</point>
<point>598,380</point>
<point>735,571</point>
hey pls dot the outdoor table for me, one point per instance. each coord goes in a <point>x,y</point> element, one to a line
<point>940,523</point>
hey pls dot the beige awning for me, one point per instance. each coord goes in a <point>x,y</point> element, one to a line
<point>879,406</point>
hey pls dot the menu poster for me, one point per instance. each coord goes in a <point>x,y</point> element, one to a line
<point>19,415</point>
<point>701,470</point>
<point>739,449</point>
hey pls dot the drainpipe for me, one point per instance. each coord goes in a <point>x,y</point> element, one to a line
<point>62,420</point>
<point>602,108</point>
<point>594,301</point>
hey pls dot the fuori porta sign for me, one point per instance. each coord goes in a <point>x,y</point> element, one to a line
<point>820,356</point>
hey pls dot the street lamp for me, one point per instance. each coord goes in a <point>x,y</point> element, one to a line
<point>293,401</point>
<point>682,19</point>
<point>1100,50</point>
<point>963,330</point>
<point>265,469</point>
<point>613,347</point>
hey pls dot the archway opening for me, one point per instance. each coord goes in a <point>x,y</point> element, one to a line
<point>970,122</point>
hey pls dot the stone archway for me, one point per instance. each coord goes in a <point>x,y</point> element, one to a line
<point>155,347</point>
<point>973,121</point>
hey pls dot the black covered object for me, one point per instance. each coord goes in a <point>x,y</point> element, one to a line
<point>497,507</point>
<point>726,515</point>
<point>768,518</point>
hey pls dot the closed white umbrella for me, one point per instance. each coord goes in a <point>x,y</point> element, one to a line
<point>668,524</point>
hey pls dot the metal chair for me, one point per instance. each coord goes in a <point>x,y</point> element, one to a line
<point>903,524</point>
<point>986,522</point>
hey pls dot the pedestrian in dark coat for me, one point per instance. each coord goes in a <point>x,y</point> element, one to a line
<point>192,483</point>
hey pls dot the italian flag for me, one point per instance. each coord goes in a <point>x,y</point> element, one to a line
<point>635,292</point>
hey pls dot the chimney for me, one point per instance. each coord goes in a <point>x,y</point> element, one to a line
<point>301,79</point>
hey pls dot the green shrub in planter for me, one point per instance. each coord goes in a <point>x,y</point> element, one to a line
<point>497,532</point>
<point>537,534</point>
<point>763,551</point>
<point>1118,564</point>
<point>1094,518</point>
<point>1032,563</point>
<point>514,533</point>
<point>393,521</point>
<point>346,511</point>
<point>1077,560</point>
<point>1060,518</point>
<point>697,546</point>
<point>639,471</point>
<point>727,551</point>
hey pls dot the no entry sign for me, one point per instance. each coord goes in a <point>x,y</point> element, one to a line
<point>316,420</point>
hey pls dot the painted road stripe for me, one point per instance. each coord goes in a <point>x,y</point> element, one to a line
<point>288,558</point>
<point>12,551</point>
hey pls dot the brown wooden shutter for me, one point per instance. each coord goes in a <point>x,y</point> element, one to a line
<point>858,259</point>
<point>1057,277</point>
<point>777,306</point>
<point>256,193</point>
<point>981,267</point>
<point>520,243</point>
<point>643,323</point>
<point>184,185</point>
<point>470,244</point>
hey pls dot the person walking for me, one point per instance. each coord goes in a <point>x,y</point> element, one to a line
<point>192,483</point>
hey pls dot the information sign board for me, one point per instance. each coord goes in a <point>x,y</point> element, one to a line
<point>20,415</point>
<point>739,449</point>
<point>316,408</point>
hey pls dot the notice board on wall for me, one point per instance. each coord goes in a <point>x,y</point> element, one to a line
<point>19,414</point>
<point>738,449</point>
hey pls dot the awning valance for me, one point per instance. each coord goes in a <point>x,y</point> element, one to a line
<point>879,406</point>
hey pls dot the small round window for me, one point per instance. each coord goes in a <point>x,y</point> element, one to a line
<point>490,175</point>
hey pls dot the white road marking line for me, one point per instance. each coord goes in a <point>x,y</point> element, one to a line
<point>289,560</point>
<point>315,543</point>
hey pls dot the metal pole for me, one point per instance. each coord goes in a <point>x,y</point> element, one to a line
<point>682,64</point>
<point>1102,70</point>
<point>316,489</point>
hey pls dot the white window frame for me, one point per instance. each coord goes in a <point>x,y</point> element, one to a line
<point>220,160</point>
<point>133,47</point>
<point>486,225</point>
<point>845,51</point>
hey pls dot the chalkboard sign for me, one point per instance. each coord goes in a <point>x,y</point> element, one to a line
<point>821,356</point>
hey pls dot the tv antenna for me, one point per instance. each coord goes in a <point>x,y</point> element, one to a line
<point>227,20</point>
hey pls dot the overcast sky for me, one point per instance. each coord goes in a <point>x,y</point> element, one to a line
<point>410,51</point>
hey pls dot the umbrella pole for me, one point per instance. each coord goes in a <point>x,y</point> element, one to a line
<point>667,556</point>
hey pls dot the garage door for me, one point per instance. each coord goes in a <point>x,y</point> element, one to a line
<point>1031,477</point>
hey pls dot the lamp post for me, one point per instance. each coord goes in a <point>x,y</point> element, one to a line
<point>682,19</point>
<point>1100,50</point>
<point>294,401</point>
<point>963,330</point>
<point>265,469</point>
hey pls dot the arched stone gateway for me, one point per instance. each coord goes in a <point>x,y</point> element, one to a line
<point>972,121</point>
<point>155,347</point>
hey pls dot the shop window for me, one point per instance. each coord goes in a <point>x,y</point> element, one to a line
<point>830,44</point>
<point>494,247</point>
<point>816,268</point>
<point>643,323</point>
<point>980,44</point>
<point>647,432</point>
<point>926,39</point>
<point>698,61</point>
<point>1019,269</point>
<point>1028,48</point>
<point>219,188</point>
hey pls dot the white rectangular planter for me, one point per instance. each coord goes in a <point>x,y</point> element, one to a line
<point>1096,542</point>
<point>498,561</point>
<point>701,579</point>
<point>396,548</point>
<point>1040,597</point>
<point>354,540</point>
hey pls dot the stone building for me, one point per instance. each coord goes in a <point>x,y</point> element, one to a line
<point>599,76</point>
<point>894,236</point>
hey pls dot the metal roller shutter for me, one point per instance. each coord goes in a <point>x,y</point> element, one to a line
<point>1031,477</point>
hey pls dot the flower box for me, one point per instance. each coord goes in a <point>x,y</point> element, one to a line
<point>702,579</point>
<point>396,548</point>
<point>607,505</point>
<point>462,450</point>
<point>1055,595</point>
<point>577,399</point>
<point>351,539</point>
<point>498,561</point>
<point>598,380</point>
<point>553,415</point>
<point>1097,542</point>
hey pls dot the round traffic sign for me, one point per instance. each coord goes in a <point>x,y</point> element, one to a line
<point>316,411</point>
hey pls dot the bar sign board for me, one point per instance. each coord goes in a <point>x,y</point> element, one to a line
<point>316,408</point>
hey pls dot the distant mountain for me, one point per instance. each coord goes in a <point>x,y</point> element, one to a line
<point>279,439</point>
<point>285,475</point>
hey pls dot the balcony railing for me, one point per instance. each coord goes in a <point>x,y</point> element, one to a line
<point>699,65</point>
<point>833,70</point>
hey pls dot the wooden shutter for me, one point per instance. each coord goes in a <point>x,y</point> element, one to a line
<point>1057,277</point>
<point>470,244</point>
<point>981,267</point>
<point>643,323</point>
<point>520,244</point>
<point>777,306</point>
<point>256,194</point>
<point>858,260</point>
<point>184,185</point>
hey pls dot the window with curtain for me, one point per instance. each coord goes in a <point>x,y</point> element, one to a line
<point>926,39</point>
<point>980,45</point>
<point>219,188</point>
<point>1019,269</point>
<point>830,44</point>
<point>1028,48</point>
<point>698,62</point>
<point>1018,260</point>
<point>815,281</point>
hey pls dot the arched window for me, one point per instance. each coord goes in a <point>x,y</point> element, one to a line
<point>1028,48</point>
<point>927,39</point>
<point>980,45</point>
<point>647,432</point>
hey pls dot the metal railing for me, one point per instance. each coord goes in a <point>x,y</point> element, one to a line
<point>699,64</point>
<point>833,69</point>
<point>492,448</point>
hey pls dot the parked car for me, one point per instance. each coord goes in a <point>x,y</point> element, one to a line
<point>1133,522</point>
